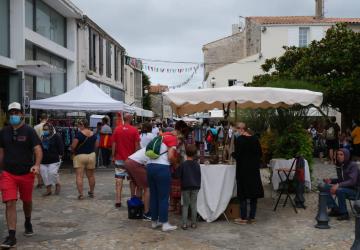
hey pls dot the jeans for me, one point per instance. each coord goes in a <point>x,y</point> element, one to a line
<point>243,209</point>
<point>159,179</point>
<point>189,200</point>
<point>341,194</point>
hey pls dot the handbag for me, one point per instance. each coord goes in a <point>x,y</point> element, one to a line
<point>77,148</point>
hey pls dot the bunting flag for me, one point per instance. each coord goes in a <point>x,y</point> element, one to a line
<point>159,69</point>
<point>187,81</point>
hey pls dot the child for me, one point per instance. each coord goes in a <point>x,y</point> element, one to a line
<point>190,176</point>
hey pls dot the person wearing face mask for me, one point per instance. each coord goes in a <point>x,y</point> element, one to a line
<point>19,144</point>
<point>53,149</point>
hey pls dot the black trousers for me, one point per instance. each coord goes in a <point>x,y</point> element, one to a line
<point>105,153</point>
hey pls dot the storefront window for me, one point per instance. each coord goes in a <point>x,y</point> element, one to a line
<point>5,28</point>
<point>29,14</point>
<point>50,24</point>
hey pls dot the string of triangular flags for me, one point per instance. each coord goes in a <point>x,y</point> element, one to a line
<point>160,69</point>
<point>187,80</point>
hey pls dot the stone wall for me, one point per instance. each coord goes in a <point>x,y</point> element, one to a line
<point>224,51</point>
<point>253,37</point>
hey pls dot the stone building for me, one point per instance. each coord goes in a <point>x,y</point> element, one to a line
<point>158,106</point>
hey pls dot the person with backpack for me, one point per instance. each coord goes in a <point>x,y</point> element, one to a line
<point>162,153</point>
<point>332,139</point>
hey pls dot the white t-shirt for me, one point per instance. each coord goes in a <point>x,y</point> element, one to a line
<point>145,139</point>
<point>139,156</point>
<point>163,159</point>
<point>155,131</point>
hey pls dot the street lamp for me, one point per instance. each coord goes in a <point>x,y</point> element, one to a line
<point>213,82</point>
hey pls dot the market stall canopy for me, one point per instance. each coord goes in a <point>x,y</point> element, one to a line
<point>191,101</point>
<point>143,112</point>
<point>86,97</point>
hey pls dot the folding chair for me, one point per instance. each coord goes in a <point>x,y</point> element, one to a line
<point>285,184</point>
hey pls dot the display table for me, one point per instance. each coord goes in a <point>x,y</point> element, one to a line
<point>217,188</point>
<point>276,164</point>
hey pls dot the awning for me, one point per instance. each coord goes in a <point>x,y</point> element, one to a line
<point>191,101</point>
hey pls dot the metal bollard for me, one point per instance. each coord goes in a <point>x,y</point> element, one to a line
<point>322,217</point>
<point>356,244</point>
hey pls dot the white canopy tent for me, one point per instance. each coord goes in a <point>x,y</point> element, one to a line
<point>86,97</point>
<point>143,112</point>
<point>191,101</point>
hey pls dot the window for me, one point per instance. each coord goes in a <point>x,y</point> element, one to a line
<point>131,84</point>
<point>125,80</point>
<point>92,50</point>
<point>116,64</point>
<point>50,23</point>
<point>304,36</point>
<point>29,14</point>
<point>55,83</point>
<point>5,28</point>
<point>101,56</point>
<point>232,82</point>
<point>108,59</point>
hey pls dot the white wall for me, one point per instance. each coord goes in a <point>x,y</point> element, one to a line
<point>272,41</point>
<point>243,70</point>
<point>129,99</point>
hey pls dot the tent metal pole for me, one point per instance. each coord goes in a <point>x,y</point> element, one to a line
<point>236,112</point>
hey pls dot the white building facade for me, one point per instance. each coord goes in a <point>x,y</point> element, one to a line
<point>38,46</point>
<point>133,85</point>
<point>274,33</point>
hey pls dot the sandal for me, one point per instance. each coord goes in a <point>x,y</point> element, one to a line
<point>240,221</point>
<point>81,197</point>
<point>184,227</point>
<point>193,226</point>
<point>91,194</point>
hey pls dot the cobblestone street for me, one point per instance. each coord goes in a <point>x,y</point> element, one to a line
<point>63,222</point>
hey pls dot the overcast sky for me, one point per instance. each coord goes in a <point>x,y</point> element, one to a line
<point>176,30</point>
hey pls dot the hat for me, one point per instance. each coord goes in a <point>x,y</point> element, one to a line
<point>14,105</point>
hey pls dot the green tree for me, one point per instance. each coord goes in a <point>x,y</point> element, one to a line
<point>146,97</point>
<point>331,65</point>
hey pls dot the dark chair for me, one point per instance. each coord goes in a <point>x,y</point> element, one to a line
<point>292,184</point>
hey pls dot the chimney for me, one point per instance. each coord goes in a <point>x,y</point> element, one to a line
<point>319,12</point>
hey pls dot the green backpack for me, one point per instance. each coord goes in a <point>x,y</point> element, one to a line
<point>153,148</point>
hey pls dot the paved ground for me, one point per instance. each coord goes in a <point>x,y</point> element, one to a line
<point>63,222</point>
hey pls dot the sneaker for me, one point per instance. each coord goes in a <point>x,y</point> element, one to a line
<point>155,224</point>
<point>28,230</point>
<point>168,227</point>
<point>147,216</point>
<point>118,205</point>
<point>343,217</point>
<point>8,243</point>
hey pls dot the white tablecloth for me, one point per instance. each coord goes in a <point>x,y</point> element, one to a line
<point>286,164</point>
<point>217,188</point>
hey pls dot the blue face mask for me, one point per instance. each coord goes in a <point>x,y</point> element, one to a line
<point>46,133</point>
<point>15,120</point>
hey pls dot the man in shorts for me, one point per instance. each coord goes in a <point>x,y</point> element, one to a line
<point>126,140</point>
<point>18,145</point>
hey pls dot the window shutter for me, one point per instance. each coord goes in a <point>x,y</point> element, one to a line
<point>316,33</point>
<point>293,37</point>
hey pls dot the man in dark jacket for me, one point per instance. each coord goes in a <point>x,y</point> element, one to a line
<point>344,186</point>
